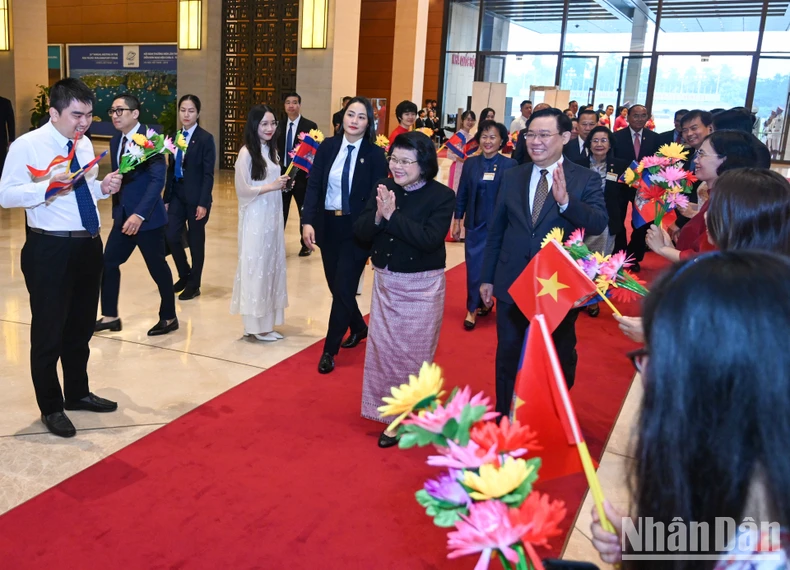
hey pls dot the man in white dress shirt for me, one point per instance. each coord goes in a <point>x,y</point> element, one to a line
<point>520,122</point>
<point>62,256</point>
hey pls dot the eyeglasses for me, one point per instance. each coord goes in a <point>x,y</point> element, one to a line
<point>399,162</point>
<point>542,137</point>
<point>267,125</point>
<point>639,359</point>
<point>599,141</point>
<point>117,111</point>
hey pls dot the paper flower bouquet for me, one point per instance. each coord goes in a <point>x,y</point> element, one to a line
<point>485,491</point>
<point>609,272</point>
<point>661,184</point>
<point>144,146</point>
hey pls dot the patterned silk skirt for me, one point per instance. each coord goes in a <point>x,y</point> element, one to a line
<point>405,318</point>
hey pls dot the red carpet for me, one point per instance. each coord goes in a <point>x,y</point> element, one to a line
<point>282,472</point>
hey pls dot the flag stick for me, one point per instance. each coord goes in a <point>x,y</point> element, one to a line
<point>290,166</point>
<point>594,483</point>
<point>611,306</point>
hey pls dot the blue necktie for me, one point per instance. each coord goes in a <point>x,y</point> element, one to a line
<point>289,143</point>
<point>180,158</point>
<point>345,187</point>
<point>88,216</point>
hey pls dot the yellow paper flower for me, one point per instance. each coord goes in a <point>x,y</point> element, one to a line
<point>139,139</point>
<point>493,482</point>
<point>630,176</point>
<point>382,141</point>
<point>425,387</point>
<point>601,258</point>
<point>426,131</point>
<point>640,168</point>
<point>555,233</point>
<point>674,150</point>
<point>603,283</point>
<point>180,141</point>
<point>316,135</point>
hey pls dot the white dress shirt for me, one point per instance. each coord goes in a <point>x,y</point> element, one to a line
<point>518,123</point>
<point>18,189</point>
<point>334,196</point>
<point>128,136</point>
<point>189,132</point>
<point>535,178</point>
<point>641,136</point>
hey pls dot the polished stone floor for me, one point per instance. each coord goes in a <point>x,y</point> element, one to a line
<point>156,380</point>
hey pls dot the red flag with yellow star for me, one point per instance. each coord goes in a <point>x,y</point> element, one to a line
<point>551,285</point>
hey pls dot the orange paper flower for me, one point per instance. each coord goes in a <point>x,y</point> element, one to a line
<point>542,517</point>
<point>506,436</point>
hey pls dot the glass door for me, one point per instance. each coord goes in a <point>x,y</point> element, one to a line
<point>771,97</point>
<point>632,85</point>
<point>579,75</point>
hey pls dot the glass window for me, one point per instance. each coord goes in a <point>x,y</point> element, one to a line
<point>463,25</point>
<point>459,77</point>
<point>522,26</point>
<point>521,73</point>
<point>618,28</point>
<point>777,28</point>
<point>770,104</point>
<point>704,26</point>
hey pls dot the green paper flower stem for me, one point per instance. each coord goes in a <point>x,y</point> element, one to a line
<point>505,564</point>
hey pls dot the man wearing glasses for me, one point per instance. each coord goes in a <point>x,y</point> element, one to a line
<point>548,193</point>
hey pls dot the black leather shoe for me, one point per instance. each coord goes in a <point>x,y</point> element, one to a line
<point>484,311</point>
<point>59,424</point>
<point>305,251</point>
<point>326,364</point>
<point>387,441</point>
<point>189,293</point>
<point>354,339</point>
<point>114,326</point>
<point>594,310</point>
<point>635,267</point>
<point>469,325</point>
<point>179,285</point>
<point>163,328</point>
<point>92,403</point>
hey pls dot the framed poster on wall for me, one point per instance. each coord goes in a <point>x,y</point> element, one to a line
<point>147,71</point>
<point>55,63</point>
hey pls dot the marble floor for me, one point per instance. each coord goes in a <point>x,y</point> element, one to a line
<point>206,357</point>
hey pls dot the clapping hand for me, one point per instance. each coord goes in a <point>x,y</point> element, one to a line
<point>558,186</point>
<point>385,202</point>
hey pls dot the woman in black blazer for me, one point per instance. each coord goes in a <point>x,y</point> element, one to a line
<point>600,158</point>
<point>407,223</point>
<point>341,182</point>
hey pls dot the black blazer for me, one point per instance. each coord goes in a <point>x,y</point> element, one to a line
<point>7,124</point>
<point>198,166</point>
<point>572,152</point>
<point>512,239</point>
<point>413,238</point>
<point>613,191</point>
<point>304,126</point>
<point>667,137</point>
<point>141,189</point>
<point>520,153</point>
<point>624,144</point>
<point>474,169</point>
<point>371,165</point>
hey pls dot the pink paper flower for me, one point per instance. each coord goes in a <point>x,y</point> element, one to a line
<point>170,146</point>
<point>651,161</point>
<point>576,238</point>
<point>434,421</point>
<point>471,456</point>
<point>590,266</point>
<point>616,262</point>
<point>486,528</point>
<point>150,133</point>
<point>447,488</point>
<point>677,200</point>
<point>673,175</point>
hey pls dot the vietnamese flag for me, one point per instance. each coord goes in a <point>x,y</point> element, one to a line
<point>542,402</point>
<point>551,285</point>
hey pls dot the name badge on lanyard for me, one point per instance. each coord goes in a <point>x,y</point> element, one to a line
<point>489,176</point>
<point>611,176</point>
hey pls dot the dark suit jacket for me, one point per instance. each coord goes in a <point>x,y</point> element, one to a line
<point>141,189</point>
<point>371,165</point>
<point>512,239</point>
<point>198,167</point>
<point>474,168</point>
<point>624,144</point>
<point>7,124</point>
<point>520,154</point>
<point>413,238</point>
<point>613,191</point>
<point>304,126</point>
<point>572,152</point>
<point>667,137</point>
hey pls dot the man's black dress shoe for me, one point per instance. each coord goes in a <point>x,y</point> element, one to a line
<point>91,403</point>
<point>326,364</point>
<point>114,326</point>
<point>59,424</point>
<point>163,328</point>
<point>634,267</point>
<point>593,310</point>
<point>305,251</point>
<point>189,293</point>
<point>354,339</point>
<point>179,285</point>
<point>387,441</point>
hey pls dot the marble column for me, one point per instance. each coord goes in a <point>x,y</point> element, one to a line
<point>408,54</point>
<point>633,71</point>
<point>24,67</point>
<point>325,76</point>
<point>199,71</point>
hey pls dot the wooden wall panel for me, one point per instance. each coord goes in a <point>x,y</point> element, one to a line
<point>433,50</point>
<point>111,21</point>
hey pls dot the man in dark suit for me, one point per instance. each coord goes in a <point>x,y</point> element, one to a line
<point>7,129</point>
<point>676,134</point>
<point>337,118</point>
<point>534,198</point>
<point>190,180</point>
<point>139,220</point>
<point>574,150</point>
<point>634,143</point>
<point>287,138</point>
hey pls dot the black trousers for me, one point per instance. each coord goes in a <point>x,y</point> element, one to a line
<point>62,277</point>
<point>298,192</point>
<point>511,326</point>
<point>179,214</point>
<point>152,246</point>
<point>343,269</point>
<point>637,246</point>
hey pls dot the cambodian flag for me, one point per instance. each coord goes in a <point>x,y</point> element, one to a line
<point>305,154</point>
<point>457,145</point>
